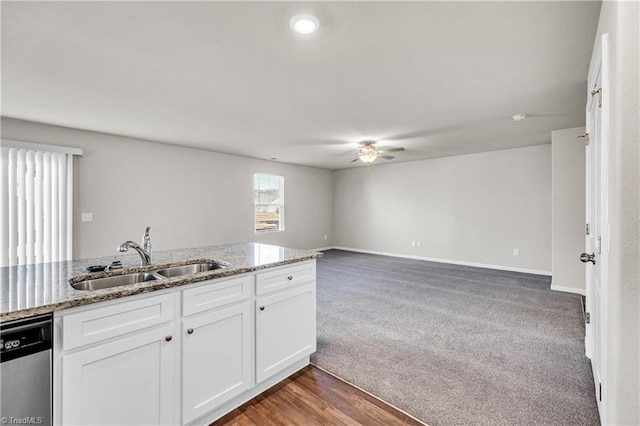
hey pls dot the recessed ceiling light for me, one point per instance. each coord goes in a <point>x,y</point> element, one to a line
<point>519,117</point>
<point>304,23</point>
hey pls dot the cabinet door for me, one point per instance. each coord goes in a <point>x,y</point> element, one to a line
<point>285,329</point>
<point>216,359</point>
<point>129,381</point>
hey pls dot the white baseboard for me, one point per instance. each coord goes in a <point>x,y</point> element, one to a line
<point>454,262</point>
<point>322,248</point>
<point>564,289</point>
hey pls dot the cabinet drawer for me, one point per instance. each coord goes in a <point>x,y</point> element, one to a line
<point>95,325</point>
<point>267,282</point>
<point>215,293</point>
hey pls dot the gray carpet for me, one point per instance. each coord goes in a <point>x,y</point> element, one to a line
<point>454,345</point>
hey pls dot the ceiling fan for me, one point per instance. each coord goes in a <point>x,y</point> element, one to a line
<point>367,152</point>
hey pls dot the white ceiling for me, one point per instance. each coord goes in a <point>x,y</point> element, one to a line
<point>438,78</point>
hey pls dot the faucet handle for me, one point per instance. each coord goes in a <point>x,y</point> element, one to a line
<point>146,237</point>
<point>146,242</point>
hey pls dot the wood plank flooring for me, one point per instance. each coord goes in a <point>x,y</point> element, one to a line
<point>314,397</point>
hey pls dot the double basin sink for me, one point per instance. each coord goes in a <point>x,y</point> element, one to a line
<point>140,277</point>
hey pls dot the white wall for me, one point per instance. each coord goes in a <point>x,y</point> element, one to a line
<point>568,209</point>
<point>472,208</point>
<point>189,197</point>
<point>622,391</point>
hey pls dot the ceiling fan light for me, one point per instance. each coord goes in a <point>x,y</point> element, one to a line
<point>368,158</point>
<point>368,153</point>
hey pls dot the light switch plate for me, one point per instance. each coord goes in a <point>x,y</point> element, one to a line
<point>87,217</point>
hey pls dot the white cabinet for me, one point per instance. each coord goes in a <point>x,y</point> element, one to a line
<point>217,348</point>
<point>126,380</point>
<point>285,329</point>
<point>184,355</point>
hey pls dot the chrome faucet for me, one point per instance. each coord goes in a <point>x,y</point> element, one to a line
<point>146,242</point>
<point>144,251</point>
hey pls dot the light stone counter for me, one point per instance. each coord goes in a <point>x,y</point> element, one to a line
<point>37,289</point>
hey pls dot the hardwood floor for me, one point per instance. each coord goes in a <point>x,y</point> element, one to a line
<point>313,397</point>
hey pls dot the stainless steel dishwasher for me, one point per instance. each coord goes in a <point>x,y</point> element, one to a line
<point>25,371</point>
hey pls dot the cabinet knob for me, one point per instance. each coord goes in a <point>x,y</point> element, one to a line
<point>261,308</point>
<point>189,330</point>
<point>290,277</point>
<point>168,338</point>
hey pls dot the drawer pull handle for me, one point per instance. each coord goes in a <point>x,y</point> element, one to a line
<point>189,330</point>
<point>261,308</point>
<point>290,277</point>
<point>168,338</point>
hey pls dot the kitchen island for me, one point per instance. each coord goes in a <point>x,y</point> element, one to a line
<point>30,290</point>
<point>182,350</point>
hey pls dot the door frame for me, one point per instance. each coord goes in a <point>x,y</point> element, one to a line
<point>598,146</point>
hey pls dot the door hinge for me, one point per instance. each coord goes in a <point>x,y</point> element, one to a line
<point>587,318</point>
<point>600,391</point>
<point>599,245</point>
<point>599,93</point>
<point>586,229</point>
<point>586,138</point>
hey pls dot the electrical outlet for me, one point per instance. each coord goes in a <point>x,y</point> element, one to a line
<point>325,238</point>
<point>516,252</point>
<point>87,217</point>
<point>418,243</point>
<point>413,243</point>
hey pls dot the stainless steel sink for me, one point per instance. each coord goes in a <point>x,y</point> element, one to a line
<point>139,277</point>
<point>194,268</point>
<point>116,281</point>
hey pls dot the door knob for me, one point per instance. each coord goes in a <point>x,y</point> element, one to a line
<point>586,257</point>
<point>189,330</point>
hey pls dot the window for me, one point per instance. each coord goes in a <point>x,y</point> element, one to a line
<point>268,201</point>
<point>36,190</point>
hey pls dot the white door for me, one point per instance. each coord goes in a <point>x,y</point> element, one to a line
<point>216,359</point>
<point>285,329</point>
<point>129,381</point>
<point>596,242</point>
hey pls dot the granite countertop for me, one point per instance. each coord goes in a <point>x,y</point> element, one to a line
<point>30,290</point>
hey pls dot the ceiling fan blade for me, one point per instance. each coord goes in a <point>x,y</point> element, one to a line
<point>386,157</point>
<point>353,161</point>
<point>392,150</point>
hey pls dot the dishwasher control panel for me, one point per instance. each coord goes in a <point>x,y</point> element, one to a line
<point>23,337</point>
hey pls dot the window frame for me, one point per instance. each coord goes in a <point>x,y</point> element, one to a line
<point>281,215</point>
<point>37,191</point>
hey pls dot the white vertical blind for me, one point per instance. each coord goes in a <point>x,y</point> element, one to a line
<point>36,217</point>
<point>38,204</point>
<point>4,203</point>
<point>46,206</point>
<point>21,203</point>
<point>30,223</point>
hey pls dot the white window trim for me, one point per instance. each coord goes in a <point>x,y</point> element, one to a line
<point>281,224</point>
<point>41,147</point>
